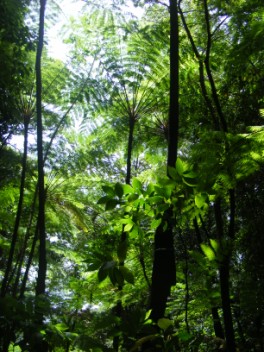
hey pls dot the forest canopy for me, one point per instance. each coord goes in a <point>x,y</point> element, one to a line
<point>132,212</point>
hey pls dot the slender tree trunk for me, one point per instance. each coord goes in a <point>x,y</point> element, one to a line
<point>41,280</point>
<point>29,262</point>
<point>130,148</point>
<point>164,268</point>
<point>218,329</point>
<point>123,237</point>
<point>226,305</point>
<point>6,278</point>
<point>224,282</point>
<point>173,132</point>
<point>215,109</point>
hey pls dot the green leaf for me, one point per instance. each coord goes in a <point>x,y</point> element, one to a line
<point>103,200</point>
<point>150,189</point>
<point>108,190</point>
<point>155,223</point>
<point>111,204</point>
<point>133,197</point>
<point>127,274</point>
<point>148,314</point>
<point>119,190</point>
<point>200,200</point>
<point>214,244</point>
<point>179,166</point>
<point>189,174</point>
<point>155,199</point>
<point>61,327</point>
<point>127,189</point>
<point>136,184</point>
<point>209,253</point>
<point>134,232</point>
<point>164,323</point>
<point>128,227</point>
<point>102,274</point>
<point>104,270</point>
<point>172,173</point>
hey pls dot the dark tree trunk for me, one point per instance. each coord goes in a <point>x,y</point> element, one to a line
<point>164,268</point>
<point>228,319</point>
<point>41,280</point>
<point>218,329</point>
<point>224,278</point>
<point>130,148</point>
<point>174,86</point>
<point>6,278</point>
<point>118,308</point>
<point>29,262</point>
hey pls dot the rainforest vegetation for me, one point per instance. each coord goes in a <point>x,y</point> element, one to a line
<point>132,176</point>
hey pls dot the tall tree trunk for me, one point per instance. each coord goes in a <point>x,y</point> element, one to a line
<point>41,280</point>
<point>130,148</point>
<point>29,262</point>
<point>224,280</point>
<point>118,308</point>
<point>214,106</point>
<point>6,278</point>
<point>164,268</point>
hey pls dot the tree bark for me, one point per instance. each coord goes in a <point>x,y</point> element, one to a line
<point>224,281</point>
<point>6,278</point>
<point>41,280</point>
<point>164,268</point>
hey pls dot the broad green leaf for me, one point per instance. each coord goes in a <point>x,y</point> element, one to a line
<point>127,274</point>
<point>200,199</point>
<point>164,323</point>
<point>102,274</point>
<point>108,190</point>
<point>173,173</point>
<point>119,190</point>
<point>150,189</point>
<point>179,166</point>
<point>134,232</point>
<point>111,204</point>
<point>136,184</point>
<point>103,200</point>
<point>126,221</point>
<point>208,251</point>
<point>155,199</point>
<point>155,223</point>
<point>148,314</point>
<point>133,197</point>
<point>127,189</point>
<point>61,327</point>
<point>214,244</point>
<point>104,270</point>
<point>128,227</point>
